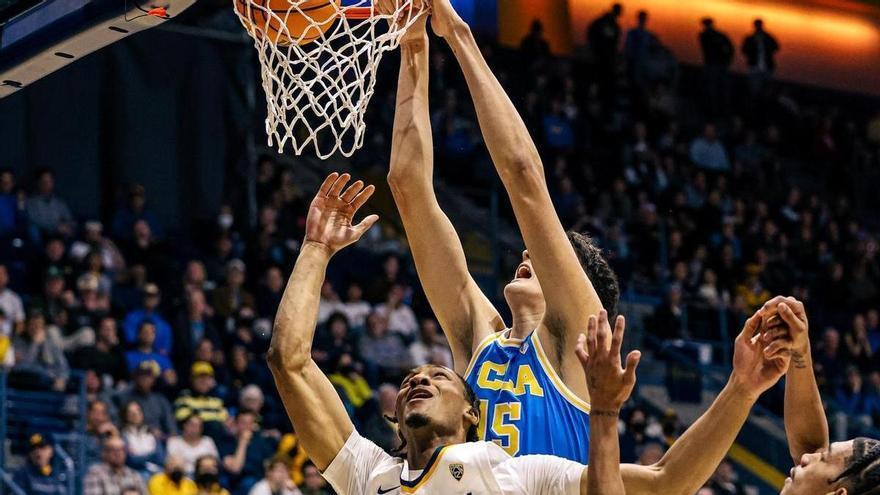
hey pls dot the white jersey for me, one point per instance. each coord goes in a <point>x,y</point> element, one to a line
<point>475,468</point>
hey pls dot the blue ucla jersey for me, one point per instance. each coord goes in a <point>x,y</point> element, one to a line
<point>524,406</point>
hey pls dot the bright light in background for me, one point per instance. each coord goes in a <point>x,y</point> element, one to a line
<point>830,43</point>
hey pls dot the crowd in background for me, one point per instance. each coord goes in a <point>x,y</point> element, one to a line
<point>713,196</point>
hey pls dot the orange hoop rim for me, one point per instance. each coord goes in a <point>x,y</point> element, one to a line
<point>358,13</point>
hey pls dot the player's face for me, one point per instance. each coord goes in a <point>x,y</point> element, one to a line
<point>524,287</point>
<point>431,396</point>
<point>814,473</point>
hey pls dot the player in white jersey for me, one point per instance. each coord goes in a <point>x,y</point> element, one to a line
<point>438,414</point>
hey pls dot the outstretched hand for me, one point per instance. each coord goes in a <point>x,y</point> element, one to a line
<point>330,222</point>
<point>444,18</point>
<point>401,15</point>
<point>609,384</point>
<point>756,365</point>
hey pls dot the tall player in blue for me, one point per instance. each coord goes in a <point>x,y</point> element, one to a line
<point>532,394</point>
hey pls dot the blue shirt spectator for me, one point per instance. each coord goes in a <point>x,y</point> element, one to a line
<point>47,212</point>
<point>146,337</point>
<point>40,476</point>
<point>150,313</point>
<point>708,152</point>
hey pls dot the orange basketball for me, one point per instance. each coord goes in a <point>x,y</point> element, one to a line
<point>305,21</point>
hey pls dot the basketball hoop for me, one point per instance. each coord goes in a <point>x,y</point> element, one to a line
<point>318,63</point>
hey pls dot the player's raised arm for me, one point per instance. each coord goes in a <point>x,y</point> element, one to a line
<point>610,386</point>
<point>806,426</point>
<point>464,313</point>
<point>568,292</point>
<point>312,403</point>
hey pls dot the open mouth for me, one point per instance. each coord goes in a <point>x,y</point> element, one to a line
<point>523,271</point>
<point>419,393</point>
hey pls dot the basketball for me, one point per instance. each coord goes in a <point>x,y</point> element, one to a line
<point>285,24</point>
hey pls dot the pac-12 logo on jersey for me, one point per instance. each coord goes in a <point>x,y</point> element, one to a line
<point>457,471</point>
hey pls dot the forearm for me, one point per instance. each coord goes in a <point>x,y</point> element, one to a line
<point>604,469</point>
<point>805,423</point>
<point>711,436</point>
<point>507,138</point>
<point>297,314</point>
<point>412,149</point>
<point>235,462</point>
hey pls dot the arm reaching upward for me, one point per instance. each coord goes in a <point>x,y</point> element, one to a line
<point>311,401</point>
<point>464,313</point>
<point>805,423</point>
<point>569,294</point>
<point>610,386</point>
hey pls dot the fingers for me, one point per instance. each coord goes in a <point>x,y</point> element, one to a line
<point>602,333</point>
<point>789,316</point>
<point>632,362</point>
<point>777,348</point>
<point>366,223</point>
<point>617,336</point>
<point>328,182</point>
<point>363,196</point>
<point>352,191</point>
<point>592,337</point>
<point>749,329</point>
<point>581,350</point>
<point>338,185</point>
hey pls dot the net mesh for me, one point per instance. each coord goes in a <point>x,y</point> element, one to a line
<point>318,64</point>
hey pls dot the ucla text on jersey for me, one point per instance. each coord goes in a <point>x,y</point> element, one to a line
<point>524,405</point>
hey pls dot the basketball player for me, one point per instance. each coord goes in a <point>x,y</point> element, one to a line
<point>842,468</point>
<point>438,413</point>
<point>533,398</point>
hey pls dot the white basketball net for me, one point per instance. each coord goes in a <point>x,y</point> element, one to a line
<point>317,93</point>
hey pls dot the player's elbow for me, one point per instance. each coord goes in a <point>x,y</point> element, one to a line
<point>290,359</point>
<point>671,483</point>
<point>524,171</point>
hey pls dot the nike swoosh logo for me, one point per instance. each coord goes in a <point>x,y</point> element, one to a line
<point>380,491</point>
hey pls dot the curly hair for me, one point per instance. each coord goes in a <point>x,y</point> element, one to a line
<point>598,270</point>
<point>862,473</point>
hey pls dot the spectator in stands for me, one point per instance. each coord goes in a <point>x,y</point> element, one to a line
<point>378,290</point>
<point>352,386</point>
<point>136,210</point>
<point>708,151</point>
<point>873,324</point>
<point>105,357</point>
<point>603,35</point>
<point>232,296</point>
<point>377,427</point>
<point>650,453</point>
<point>40,476</point>
<point>149,312</point>
<point>112,476</point>
<point>667,321</point>
<point>40,357</point>
<point>329,303</point>
<point>533,46</point>
<point>191,444</point>
<point>724,481</point>
<point>718,54</point>
<point>172,480</point>
<point>199,400</point>
<point>193,324</point>
<point>829,360</point>
<point>7,353</point>
<point>400,316</point>
<point>244,372</point>
<point>144,450</point>
<point>94,242</point>
<point>277,480</point>
<point>637,49</point>
<point>144,351</point>
<point>313,482</point>
<point>431,346</point>
<point>270,292</point>
<point>146,250</point>
<point>10,304</point>
<point>84,314</point>
<point>635,436</point>
<point>12,205</point>
<point>558,129</point>
<point>856,405</point>
<point>46,211</point>
<point>207,476</point>
<point>243,454</point>
<point>858,347</point>
<point>155,408</point>
<point>195,278</point>
<point>760,50</point>
<point>252,399</point>
<point>383,351</point>
<point>99,426</point>
<point>355,308</point>
<point>333,342</point>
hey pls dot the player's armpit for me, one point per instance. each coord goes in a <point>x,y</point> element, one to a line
<point>314,408</point>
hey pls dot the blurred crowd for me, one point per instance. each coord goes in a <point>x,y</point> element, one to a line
<point>707,190</point>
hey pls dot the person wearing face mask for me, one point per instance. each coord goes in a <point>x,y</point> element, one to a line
<point>172,481</point>
<point>207,477</point>
<point>851,467</point>
<point>635,437</point>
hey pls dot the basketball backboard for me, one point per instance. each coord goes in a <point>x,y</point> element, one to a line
<point>38,37</point>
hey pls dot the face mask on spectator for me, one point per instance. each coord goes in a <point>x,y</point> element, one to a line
<point>176,476</point>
